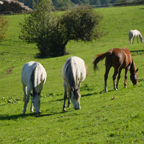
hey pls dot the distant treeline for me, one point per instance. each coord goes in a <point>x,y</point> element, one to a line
<point>70,3</point>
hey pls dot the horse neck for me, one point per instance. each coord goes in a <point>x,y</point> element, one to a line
<point>141,37</point>
<point>132,68</point>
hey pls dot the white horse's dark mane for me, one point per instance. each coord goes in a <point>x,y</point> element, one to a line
<point>70,74</point>
<point>32,79</point>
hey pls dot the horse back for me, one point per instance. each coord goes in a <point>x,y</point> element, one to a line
<point>33,68</point>
<point>74,69</point>
<point>117,57</point>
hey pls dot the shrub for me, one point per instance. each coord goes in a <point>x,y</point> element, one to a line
<point>3,27</point>
<point>52,32</point>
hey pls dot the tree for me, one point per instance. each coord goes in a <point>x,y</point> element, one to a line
<point>52,32</point>
<point>121,1</point>
<point>62,3</point>
<point>3,27</point>
<point>95,2</point>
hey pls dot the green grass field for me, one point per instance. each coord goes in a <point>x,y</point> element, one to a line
<point>101,119</point>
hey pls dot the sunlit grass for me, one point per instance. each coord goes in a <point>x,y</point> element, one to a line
<point>113,117</point>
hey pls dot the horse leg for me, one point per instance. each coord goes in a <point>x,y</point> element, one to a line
<point>126,74</point>
<point>106,77</point>
<point>69,99</point>
<point>24,90</point>
<point>114,78</point>
<point>137,39</point>
<point>133,40</point>
<point>130,39</point>
<point>118,78</point>
<point>31,108</point>
<point>26,100</point>
<point>65,96</point>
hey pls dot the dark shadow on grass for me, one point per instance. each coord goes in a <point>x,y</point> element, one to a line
<point>39,55</point>
<point>133,51</point>
<point>89,94</point>
<point>141,8</point>
<point>42,115</point>
<point>14,117</point>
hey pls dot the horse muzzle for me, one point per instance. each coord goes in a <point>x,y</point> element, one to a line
<point>77,108</point>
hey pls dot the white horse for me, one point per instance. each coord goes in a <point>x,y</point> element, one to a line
<point>133,34</point>
<point>33,77</point>
<point>74,72</point>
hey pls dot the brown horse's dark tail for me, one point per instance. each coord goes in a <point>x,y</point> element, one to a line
<point>100,57</point>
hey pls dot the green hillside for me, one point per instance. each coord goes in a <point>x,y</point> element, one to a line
<point>101,119</point>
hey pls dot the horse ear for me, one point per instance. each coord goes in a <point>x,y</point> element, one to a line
<point>137,70</point>
<point>72,89</point>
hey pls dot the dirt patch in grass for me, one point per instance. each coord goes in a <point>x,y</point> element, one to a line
<point>9,70</point>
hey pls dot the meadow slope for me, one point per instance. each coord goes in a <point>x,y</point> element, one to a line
<point>101,119</point>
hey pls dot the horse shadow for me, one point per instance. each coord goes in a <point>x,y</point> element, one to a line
<point>141,8</point>
<point>14,117</point>
<point>133,51</point>
<point>83,95</point>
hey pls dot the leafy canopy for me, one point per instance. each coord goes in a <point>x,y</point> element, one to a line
<point>52,32</point>
<point>3,27</point>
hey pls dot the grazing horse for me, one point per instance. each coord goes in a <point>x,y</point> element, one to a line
<point>33,77</point>
<point>74,72</point>
<point>119,59</point>
<point>133,34</point>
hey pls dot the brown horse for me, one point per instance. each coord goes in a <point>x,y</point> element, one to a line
<point>119,59</point>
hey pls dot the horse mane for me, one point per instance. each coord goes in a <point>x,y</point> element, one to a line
<point>132,69</point>
<point>69,73</point>
<point>70,77</point>
<point>141,36</point>
<point>32,79</point>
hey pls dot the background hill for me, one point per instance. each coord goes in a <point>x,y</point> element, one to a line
<point>101,118</point>
<point>70,3</point>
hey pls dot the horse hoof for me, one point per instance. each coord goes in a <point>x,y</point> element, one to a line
<point>64,110</point>
<point>37,113</point>
<point>106,90</point>
<point>77,108</point>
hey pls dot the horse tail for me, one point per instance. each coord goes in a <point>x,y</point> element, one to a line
<point>100,57</point>
<point>86,70</point>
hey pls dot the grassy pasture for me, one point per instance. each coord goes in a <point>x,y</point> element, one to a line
<point>101,119</point>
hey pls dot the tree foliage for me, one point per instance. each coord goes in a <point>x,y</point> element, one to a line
<point>52,32</point>
<point>3,27</point>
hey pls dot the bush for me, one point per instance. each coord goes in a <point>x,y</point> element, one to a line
<point>3,27</point>
<point>52,32</point>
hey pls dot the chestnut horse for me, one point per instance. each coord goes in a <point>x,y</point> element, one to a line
<point>119,59</point>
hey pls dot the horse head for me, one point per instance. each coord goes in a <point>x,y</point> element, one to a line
<point>35,99</point>
<point>141,38</point>
<point>134,77</point>
<point>75,97</point>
